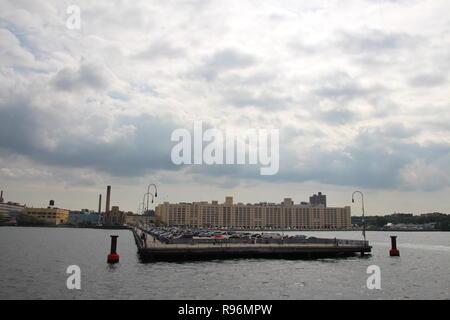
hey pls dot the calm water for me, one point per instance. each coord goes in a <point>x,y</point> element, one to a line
<point>34,260</point>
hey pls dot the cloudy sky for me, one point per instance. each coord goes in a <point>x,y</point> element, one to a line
<point>359,90</point>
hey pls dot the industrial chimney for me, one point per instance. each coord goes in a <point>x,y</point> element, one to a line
<point>100,203</point>
<point>1,197</point>
<point>108,198</point>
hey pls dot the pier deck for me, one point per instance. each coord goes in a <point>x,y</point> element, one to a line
<point>156,250</point>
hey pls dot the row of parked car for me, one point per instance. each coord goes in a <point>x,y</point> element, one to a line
<point>175,234</point>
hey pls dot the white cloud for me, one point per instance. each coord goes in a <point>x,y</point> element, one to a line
<point>12,53</point>
<point>354,86</point>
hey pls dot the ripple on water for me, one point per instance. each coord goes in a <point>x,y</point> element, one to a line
<point>417,274</point>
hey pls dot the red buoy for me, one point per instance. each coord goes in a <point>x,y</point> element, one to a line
<point>113,257</point>
<point>394,252</point>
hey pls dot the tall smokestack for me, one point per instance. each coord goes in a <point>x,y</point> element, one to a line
<point>108,198</point>
<point>100,203</point>
<point>1,197</point>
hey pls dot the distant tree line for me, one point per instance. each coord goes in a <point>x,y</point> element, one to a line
<point>441,220</point>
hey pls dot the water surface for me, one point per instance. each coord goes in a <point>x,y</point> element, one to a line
<point>34,261</point>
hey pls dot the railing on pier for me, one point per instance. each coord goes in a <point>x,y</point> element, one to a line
<point>247,241</point>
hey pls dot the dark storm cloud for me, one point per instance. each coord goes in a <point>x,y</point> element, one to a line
<point>88,76</point>
<point>24,130</point>
<point>161,49</point>
<point>338,116</point>
<point>376,48</point>
<point>393,130</point>
<point>428,80</point>
<point>374,160</point>
<point>341,86</point>
<point>19,125</point>
<point>374,41</point>
<point>146,150</point>
<point>341,91</point>
<point>230,59</point>
<point>224,60</point>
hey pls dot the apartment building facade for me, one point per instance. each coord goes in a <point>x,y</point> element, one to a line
<point>286,215</point>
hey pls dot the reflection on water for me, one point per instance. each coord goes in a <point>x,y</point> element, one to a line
<point>34,263</point>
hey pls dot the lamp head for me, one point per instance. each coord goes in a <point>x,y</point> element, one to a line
<point>156,194</point>
<point>353,200</point>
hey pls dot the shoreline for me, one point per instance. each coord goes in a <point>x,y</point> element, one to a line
<point>240,230</point>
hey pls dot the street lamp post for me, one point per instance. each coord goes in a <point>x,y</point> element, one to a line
<point>363,221</point>
<point>148,191</point>
<point>142,205</point>
<point>143,200</point>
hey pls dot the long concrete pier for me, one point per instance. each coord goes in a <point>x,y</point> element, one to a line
<point>153,250</point>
